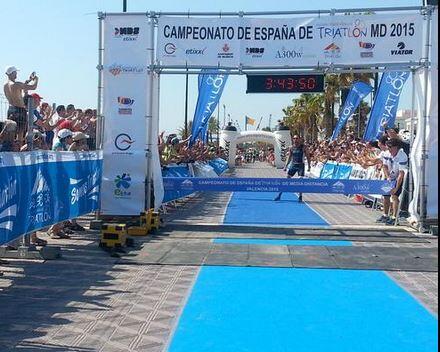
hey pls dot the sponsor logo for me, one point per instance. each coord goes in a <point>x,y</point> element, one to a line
<point>362,188</point>
<point>170,49</point>
<point>255,52</point>
<point>387,189</point>
<point>126,33</point>
<point>355,29</point>
<point>332,51</point>
<point>122,184</point>
<point>401,50</point>
<point>86,187</point>
<point>125,106</point>
<point>187,185</point>
<point>123,142</point>
<point>40,209</point>
<point>338,187</point>
<point>117,69</point>
<point>285,53</point>
<point>367,49</point>
<point>195,52</point>
<point>225,53</point>
<point>8,199</point>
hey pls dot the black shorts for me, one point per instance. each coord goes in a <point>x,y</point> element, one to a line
<point>296,169</point>
<point>398,193</point>
<point>19,115</point>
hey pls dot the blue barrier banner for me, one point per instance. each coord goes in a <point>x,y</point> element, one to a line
<point>41,188</point>
<point>219,165</point>
<point>328,171</point>
<point>175,171</point>
<point>383,113</point>
<point>303,185</point>
<point>359,90</point>
<point>210,90</point>
<point>343,172</point>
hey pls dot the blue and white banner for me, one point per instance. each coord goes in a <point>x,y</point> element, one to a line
<point>39,189</point>
<point>385,105</point>
<point>278,185</point>
<point>211,87</point>
<point>359,90</point>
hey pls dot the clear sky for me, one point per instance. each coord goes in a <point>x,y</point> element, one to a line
<point>59,40</point>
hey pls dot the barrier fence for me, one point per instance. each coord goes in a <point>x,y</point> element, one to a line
<point>42,188</point>
<point>212,169</point>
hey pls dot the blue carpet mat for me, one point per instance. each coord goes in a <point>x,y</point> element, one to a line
<point>268,242</point>
<point>249,208</point>
<point>302,310</point>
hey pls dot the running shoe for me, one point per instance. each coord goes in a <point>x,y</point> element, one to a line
<point>391,222</point>
<point>382,220</point>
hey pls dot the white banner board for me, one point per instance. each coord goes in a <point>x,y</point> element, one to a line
<point>127,40</point>
<point>290,42</point>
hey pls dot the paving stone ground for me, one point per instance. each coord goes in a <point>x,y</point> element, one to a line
<point>89,301</point>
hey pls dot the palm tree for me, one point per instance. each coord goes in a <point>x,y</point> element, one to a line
<point>181,131</point>
<point>335,83</point>
<point>305,115</point>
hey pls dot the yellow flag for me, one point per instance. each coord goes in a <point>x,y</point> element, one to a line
<point>250,121</point>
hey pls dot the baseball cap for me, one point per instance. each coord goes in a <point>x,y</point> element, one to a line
<point>10,69</point>
<point>64,133</point>
<point>36,96</point>
<point>78,136</point>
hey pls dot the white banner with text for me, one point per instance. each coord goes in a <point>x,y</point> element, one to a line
<point>290,42</point>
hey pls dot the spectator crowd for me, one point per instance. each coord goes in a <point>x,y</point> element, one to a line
<point>53,127</point>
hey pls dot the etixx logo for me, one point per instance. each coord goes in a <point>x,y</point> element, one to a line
<point>123,142</point>
<point>401,50</point>
<point>196,52</point>
<point>126,33</point>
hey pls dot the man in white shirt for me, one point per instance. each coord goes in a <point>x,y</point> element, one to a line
<point>395,167</point>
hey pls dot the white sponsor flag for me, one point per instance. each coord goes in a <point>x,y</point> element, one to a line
<point>127,40</point>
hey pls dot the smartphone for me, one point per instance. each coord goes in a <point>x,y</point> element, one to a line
<point>33,74</point>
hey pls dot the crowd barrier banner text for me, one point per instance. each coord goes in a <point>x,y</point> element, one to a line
<point>278,185</point>
<point>286,42</point>
<point>39,189</point>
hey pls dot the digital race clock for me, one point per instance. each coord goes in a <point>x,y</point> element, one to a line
<point>285,83</point>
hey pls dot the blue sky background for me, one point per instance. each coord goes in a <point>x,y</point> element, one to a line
<point>59,40</point>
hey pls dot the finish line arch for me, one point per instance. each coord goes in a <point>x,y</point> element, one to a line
<point>281,140</point>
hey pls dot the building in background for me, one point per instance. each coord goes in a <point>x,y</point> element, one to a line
<point>403,119</point>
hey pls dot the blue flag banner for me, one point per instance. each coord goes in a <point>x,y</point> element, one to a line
<point>211,87</point>
<point>358,91</point>
<point>39,189</point>
<point>278,185</point>
<point>383,113</point>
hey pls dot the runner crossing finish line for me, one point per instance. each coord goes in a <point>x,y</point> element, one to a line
<point>295,163</point>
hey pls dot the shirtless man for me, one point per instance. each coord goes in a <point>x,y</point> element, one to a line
<point>14,92</point>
